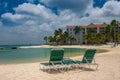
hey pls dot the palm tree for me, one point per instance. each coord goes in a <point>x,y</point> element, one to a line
<point>118,36</point>
<point>88,37</point>
<point>77,30</point>
<point>108,32</point>
<point>58,35</point>
<point>85,38</point>
<point>65,37</point>
<point>113,25</point>
<point>72,39</point>
<point>60,31</point>
<point>100,38</point>
<point>51,39</point>
<point>91,35</point>
<point>103,37</point>
<point>46,38</point>
<point>66,34</point>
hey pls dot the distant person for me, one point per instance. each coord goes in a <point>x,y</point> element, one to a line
<point>115,44</point>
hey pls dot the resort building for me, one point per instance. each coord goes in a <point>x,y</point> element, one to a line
<point>98,28</point>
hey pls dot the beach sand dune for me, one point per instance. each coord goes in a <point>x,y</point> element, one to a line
<point>109,69</point>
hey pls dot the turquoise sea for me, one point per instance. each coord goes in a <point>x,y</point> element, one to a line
<point>26,55</point>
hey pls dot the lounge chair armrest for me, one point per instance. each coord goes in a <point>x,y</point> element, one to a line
<point>54,62</point>
<point>89,59</point>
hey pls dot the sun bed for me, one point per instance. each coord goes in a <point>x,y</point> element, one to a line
<point>55,61</point>
<point>88,59</point>
<point>56,56</point>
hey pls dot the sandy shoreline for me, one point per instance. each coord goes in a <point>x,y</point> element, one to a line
<point>109,68</point>
<point>68,46</point>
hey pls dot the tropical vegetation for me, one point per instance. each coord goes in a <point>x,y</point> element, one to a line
<point>77,31</point>
<point>59,37</point>
<point>62,37</point>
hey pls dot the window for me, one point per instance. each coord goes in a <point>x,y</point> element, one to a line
<point>70,29</point>
<point>102,29</point>
<point>67,29</point>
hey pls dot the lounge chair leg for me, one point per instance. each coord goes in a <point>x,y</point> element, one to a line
<point>89,66</point>
<point>83,67</point>
<point>97,67</point>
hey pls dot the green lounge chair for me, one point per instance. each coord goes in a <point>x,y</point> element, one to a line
<point>88,58</point>
<point>56,56</point>
<point>55,61</point>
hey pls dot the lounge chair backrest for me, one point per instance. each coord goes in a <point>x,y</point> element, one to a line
<point>88,56</point>
<point>56,55</point>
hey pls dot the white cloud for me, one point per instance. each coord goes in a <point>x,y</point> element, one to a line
<point>12,17</point>
<point>78,6</point>
<point>28,12</point>
<point>32,9</point>
<point>33,22</point>
<point>108,12</point>
<point>36,11</point>
<point>112,8</point>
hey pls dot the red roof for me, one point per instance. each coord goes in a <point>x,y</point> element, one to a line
<point>96,25</point>
<point>119,24</point>
<point>70,26</point>
<point>91,25</point>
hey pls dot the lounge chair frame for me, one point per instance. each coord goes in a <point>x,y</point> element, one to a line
<point>56,60</point>
<point>92,63</point>
<point>88,60</point>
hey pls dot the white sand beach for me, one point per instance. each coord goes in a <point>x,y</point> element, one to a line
<point>109,68</point>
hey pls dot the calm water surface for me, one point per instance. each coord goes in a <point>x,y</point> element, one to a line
<point>8,55</point>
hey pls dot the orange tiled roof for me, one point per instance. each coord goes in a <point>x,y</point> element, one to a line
<point>70,26</point>
<point>119,24</point>
<point>91,25</point>
<point>96,25</point>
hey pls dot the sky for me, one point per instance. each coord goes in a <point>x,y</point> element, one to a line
<point>28,21</point>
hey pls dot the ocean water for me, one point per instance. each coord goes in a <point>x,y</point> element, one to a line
<point>27,55</point>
